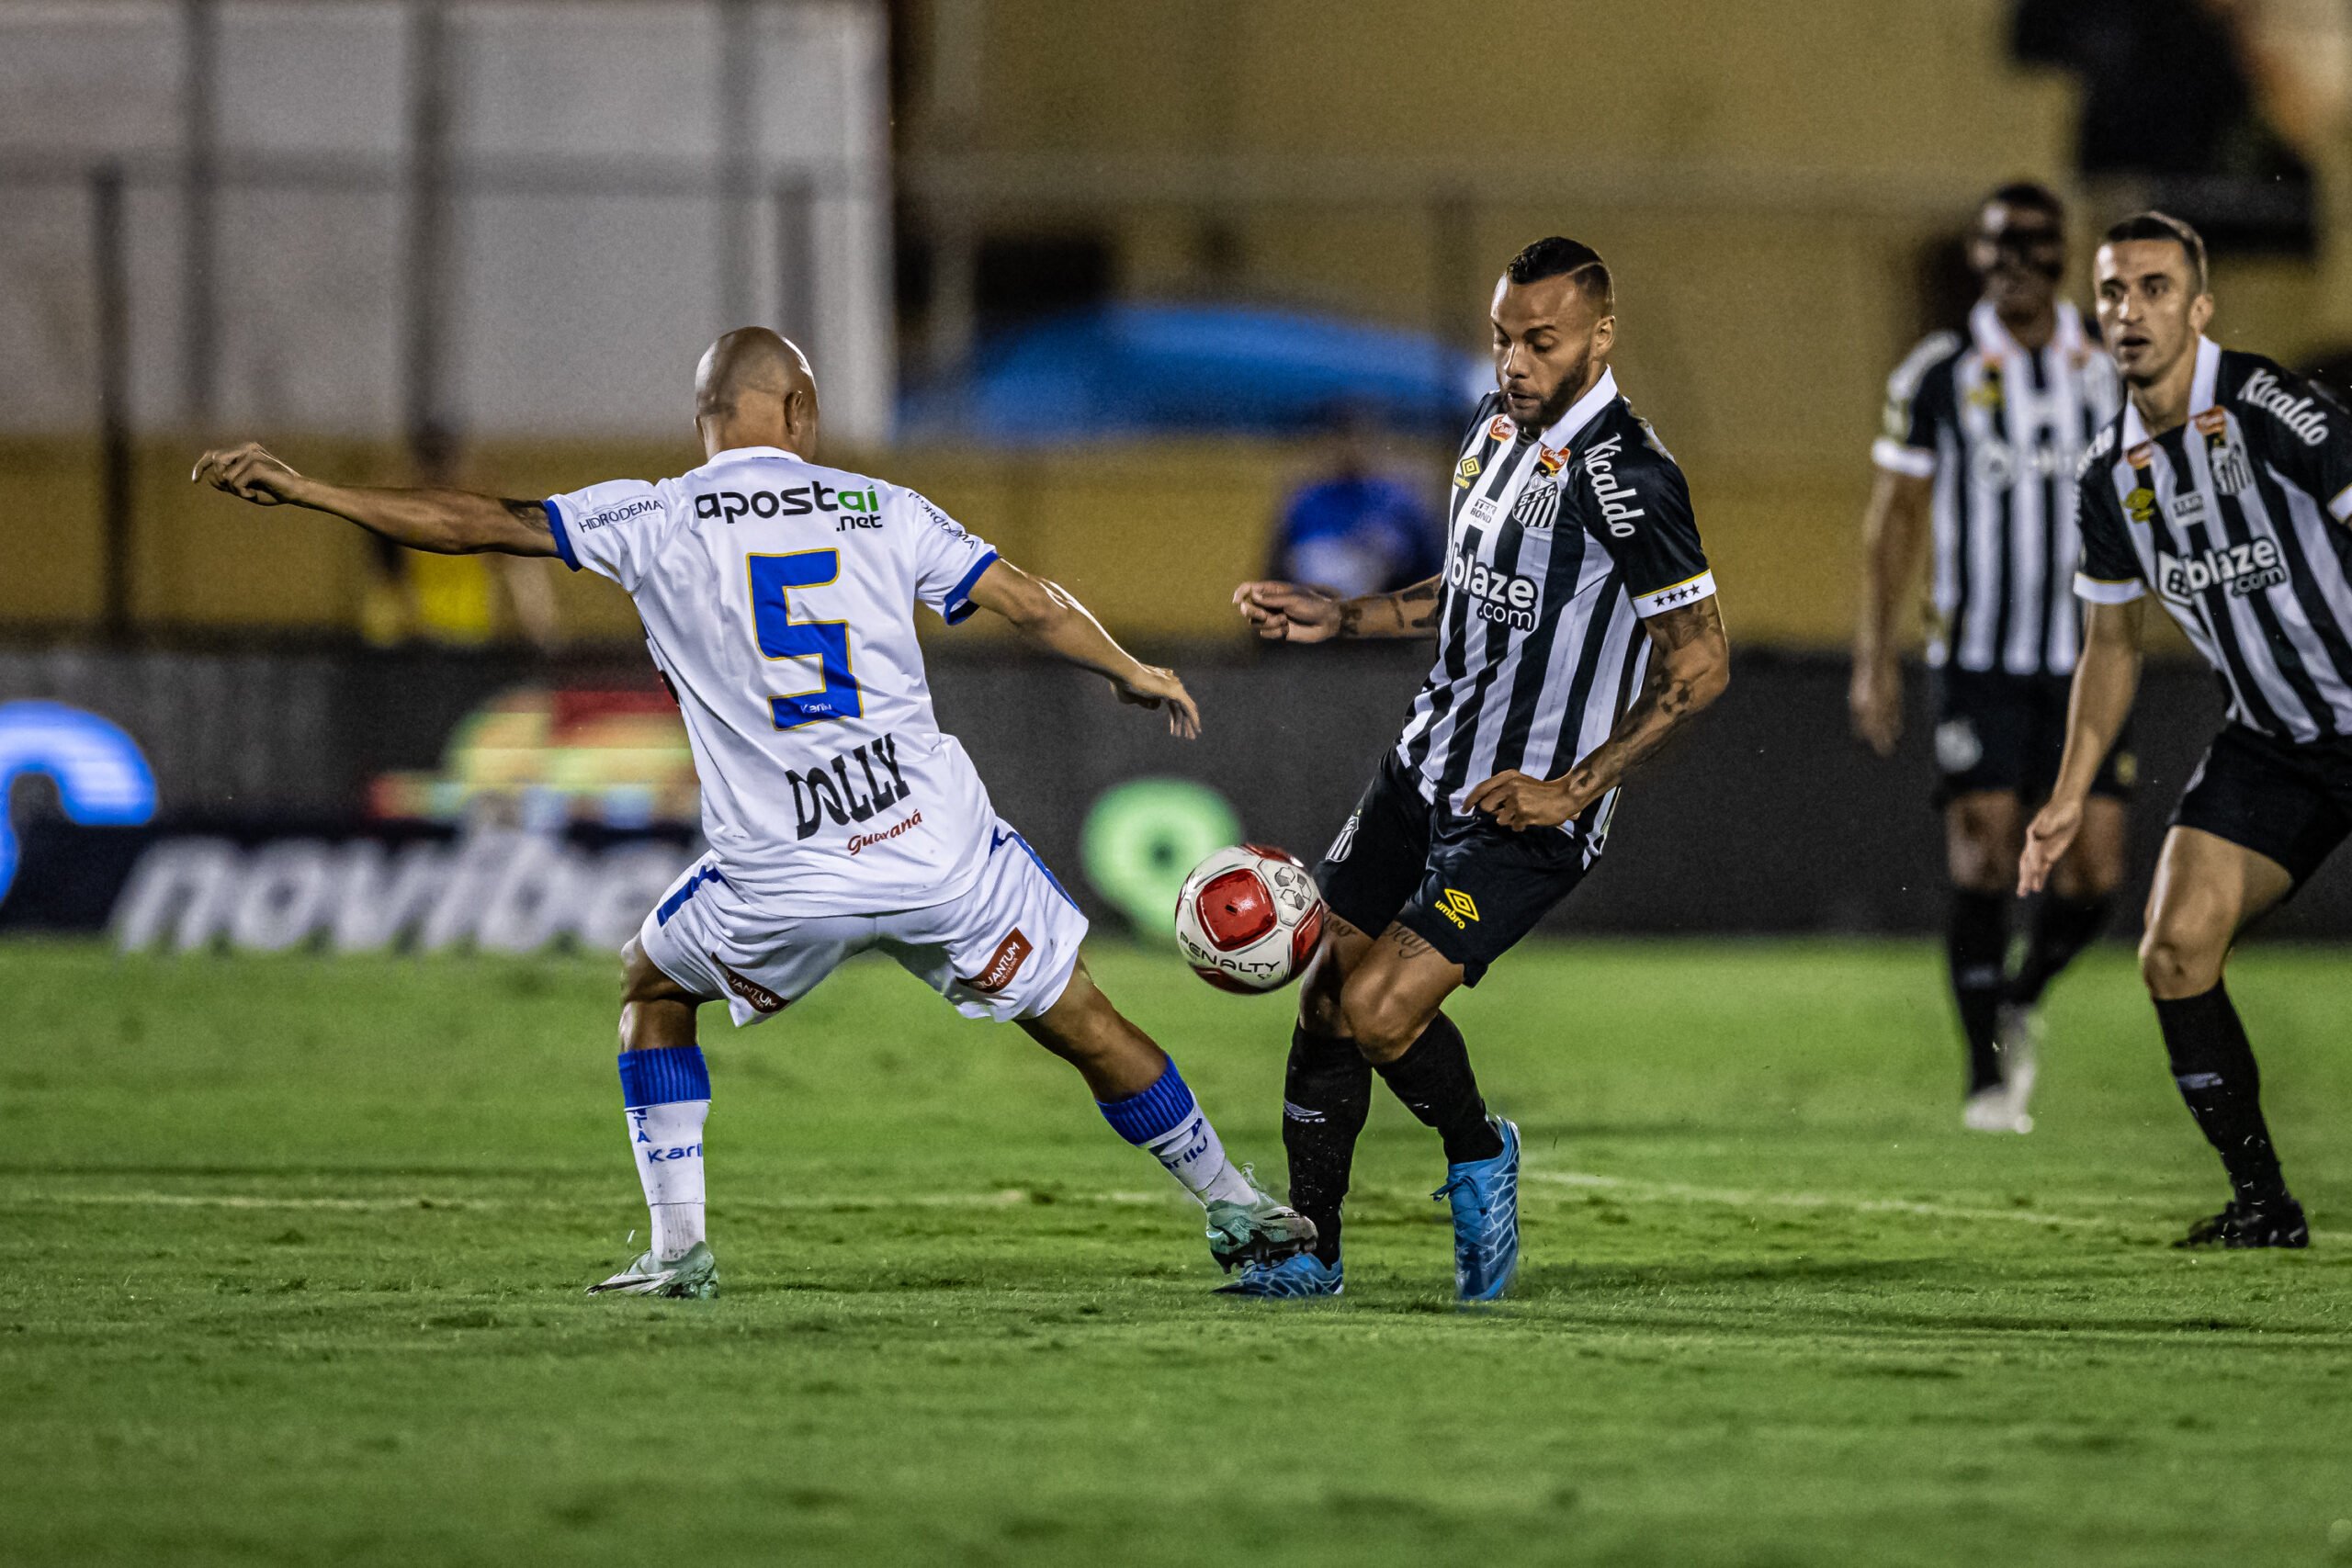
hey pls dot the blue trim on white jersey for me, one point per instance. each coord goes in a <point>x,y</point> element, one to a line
<point>562,538</point>
<point>959,605</point>
<point>677,901</point>
<point>1001,835</point>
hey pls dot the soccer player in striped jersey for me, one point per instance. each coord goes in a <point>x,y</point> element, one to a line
<point>778,597</point>
<point>1982,434</point>
<point>2224,488</point>
<point>1577,627</point>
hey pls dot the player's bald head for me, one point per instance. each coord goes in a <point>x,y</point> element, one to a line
<point>747,366</point>
<point>755,388</point>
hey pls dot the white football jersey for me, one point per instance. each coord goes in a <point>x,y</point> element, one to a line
<point>778,600</point>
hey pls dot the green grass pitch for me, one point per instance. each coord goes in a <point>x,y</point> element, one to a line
<point>293,1250</point>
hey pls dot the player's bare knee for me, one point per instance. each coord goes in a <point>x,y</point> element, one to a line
<point>2175,963</point>
<point>1382,1020</point>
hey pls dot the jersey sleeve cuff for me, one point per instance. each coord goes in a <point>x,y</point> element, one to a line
<point>2341,507</point>
<point>562,535</point>
<point>960,606</point>
<point>2100,592</point>
<point>1689,591</point>
<point>1897,458</point>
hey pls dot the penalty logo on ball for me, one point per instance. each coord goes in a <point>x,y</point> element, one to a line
<point>1249,917</point>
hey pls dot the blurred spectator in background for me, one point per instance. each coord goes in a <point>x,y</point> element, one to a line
<point>2181,101</point>
<point>452,600</point>
<point>1355,530</point>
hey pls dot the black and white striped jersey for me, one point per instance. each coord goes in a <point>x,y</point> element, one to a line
<point>2000,430</point>
<point>1559,542</point>
<point>2238,519</point>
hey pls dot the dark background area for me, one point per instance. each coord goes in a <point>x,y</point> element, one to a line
<point>1766,817</point>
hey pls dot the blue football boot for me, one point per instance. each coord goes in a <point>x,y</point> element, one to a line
<point>1300,1277</point>
<point>1486,1219</point>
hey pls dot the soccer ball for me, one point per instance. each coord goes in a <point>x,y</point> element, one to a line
<point>1249,917</point>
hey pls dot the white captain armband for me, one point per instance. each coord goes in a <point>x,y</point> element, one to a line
<point>2098,591</point>
<point>1689,591</point>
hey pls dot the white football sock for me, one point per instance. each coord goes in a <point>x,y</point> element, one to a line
<point>1194,1156</point>
<point>667,1141</point>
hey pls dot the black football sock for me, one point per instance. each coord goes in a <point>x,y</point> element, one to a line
<point>2213,1064</point>
<point>1434,1080</point>
<point>1976,947</point>
<point>2062,928</point>
<point>1326,1092</point>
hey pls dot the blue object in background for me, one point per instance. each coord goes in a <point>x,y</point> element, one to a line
<point>103,779</point>
<point>1158,369</point>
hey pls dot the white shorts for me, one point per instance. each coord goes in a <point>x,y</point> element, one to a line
<point>1004,950</point>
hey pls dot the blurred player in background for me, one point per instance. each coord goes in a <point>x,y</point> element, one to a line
<point>778,600</point>
<point>1982,434</point>
<point>2226,488</point>
<point>1572,557</point>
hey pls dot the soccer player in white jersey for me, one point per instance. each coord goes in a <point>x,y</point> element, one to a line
<point>778,599</point>
<point>2224,490</point>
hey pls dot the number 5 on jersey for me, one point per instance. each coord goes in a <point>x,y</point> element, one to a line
<point>781,637</point>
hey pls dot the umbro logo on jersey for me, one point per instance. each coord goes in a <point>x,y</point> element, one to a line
<point>1503,596</point>
<point>832,790</point>
<point>1458,906</point>
<point>796,501</point>
<point>2301,415</point>
<point>1615,510</point>
<point>1464,472</point>
<point>2239,570</point>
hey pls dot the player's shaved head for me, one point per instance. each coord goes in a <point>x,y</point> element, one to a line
<point>753,388</point>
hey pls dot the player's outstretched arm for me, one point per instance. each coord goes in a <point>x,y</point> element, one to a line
<point>1895,528</point>
<point>1692,667</point>
<point>445,521</point>
<point>1286,612</point>
<point>1050,616</point>
<point>2106,677</point>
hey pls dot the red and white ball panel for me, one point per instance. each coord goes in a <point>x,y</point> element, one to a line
<point>1249,917</point>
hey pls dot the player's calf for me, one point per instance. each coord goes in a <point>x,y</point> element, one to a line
<point>665,1095</point>
<point>1147,1101</point>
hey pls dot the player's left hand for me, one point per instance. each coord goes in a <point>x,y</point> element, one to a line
<point>1519,801</point>
<point>1152,686</point>
<point>247,472</point>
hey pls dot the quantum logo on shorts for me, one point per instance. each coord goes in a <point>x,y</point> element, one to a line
<point>759,996</point>
<point>1010,954</point>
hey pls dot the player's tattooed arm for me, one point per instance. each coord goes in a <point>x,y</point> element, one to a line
<point>444,522</point>
<point>1690,667</point>
<point>1286,612</point>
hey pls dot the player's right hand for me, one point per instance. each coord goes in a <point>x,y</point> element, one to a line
<point>1874,699</point>
<point>247,472</point>
<point>1154,686</point>
<point>2047,838</point>
<point>1284,612</point>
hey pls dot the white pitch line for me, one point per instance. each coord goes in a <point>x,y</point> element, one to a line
<point>1008,1199</point>
<point>1641,1191</point>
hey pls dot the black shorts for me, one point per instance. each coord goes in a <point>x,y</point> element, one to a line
<point>1997,731</point>
<point>2290,800</point>
<point>1466,885</point>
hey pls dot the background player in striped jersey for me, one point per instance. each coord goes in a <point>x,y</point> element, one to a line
<point>2225,486</point>
<point>1571,555</point>
<point>1983,431</point>
<point>778,599</point>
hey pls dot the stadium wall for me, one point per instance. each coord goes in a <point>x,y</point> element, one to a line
<point>1766,819</point>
